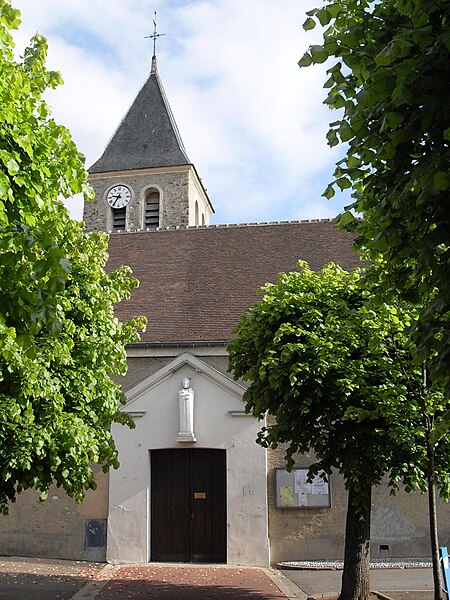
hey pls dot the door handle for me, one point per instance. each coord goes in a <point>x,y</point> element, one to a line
<point>191,514</point>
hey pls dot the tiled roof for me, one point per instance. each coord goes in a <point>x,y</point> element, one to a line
<point>196,282</point>
<point>147,136</point>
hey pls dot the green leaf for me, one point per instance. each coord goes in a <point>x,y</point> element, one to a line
<point>319,54</point>
<point>394,119</point>
<point>309,24</point>
<point>306,60</point>
<point>441,181</point>
<point>12,166</point>
<point>332,137</point>
<point>345,132</point>
<point>4,185</point>
<point>324,16</point>
<point>344,183</point>
<point>65,264</point>
<point>346,218</point>
<point>405,7</point>
<point>329,192</point>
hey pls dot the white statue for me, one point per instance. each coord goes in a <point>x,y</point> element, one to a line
<point>186,408</point>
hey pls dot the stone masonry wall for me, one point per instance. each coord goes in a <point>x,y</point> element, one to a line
<point>174,203</point>
<point>399,525</point>
<point>54,528</point>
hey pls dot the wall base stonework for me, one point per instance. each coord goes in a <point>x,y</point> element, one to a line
<point>54,528</point>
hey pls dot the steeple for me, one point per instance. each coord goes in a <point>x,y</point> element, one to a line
<point>144,179</point>
<point>148,135</point>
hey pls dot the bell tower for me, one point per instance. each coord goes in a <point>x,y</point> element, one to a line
<point>144,179</point>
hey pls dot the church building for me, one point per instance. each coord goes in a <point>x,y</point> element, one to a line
<point>193,485</point>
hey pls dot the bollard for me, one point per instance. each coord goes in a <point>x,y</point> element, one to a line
<point>444,560</point>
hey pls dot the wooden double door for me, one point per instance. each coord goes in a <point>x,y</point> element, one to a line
<point>188,505</point>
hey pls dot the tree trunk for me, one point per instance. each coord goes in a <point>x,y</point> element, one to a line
<point>428,426</point>
<point>356,573</point>
<point>438,593</point>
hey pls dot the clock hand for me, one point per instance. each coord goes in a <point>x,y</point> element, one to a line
<point>117,196</point>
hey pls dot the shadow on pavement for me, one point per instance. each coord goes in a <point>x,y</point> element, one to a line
<point>190,582</point>
<point>140,588</point>
<point>26,578</point>
<point>26,586</point>
<point>41,579</point>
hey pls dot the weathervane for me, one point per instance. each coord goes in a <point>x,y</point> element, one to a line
<point>154,35</point>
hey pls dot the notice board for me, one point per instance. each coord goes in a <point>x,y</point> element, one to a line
<point>293,490</point>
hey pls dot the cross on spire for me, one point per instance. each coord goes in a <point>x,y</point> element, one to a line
<point>153,37</point>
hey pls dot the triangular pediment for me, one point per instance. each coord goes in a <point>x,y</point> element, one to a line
<point>213,375</point>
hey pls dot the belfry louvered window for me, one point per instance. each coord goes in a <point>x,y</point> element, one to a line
<point>119,216</point>
<point>152,208</point>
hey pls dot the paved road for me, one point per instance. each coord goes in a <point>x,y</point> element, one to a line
<point>412,583</point>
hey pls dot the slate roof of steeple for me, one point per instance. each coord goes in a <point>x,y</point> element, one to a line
<point>148,135</point>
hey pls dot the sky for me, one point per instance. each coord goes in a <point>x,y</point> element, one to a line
<point>252,121</point>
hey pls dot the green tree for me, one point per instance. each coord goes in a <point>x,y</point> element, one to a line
<point>59,339</point>
<point>390,77</point>
<point>336,376</point>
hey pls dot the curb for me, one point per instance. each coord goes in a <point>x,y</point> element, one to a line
<point>93,588</point>
<point>285,585</point>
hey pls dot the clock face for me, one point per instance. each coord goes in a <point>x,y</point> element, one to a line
<point>118,196</point>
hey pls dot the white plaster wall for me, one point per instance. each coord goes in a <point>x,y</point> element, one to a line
<point>215,427</point>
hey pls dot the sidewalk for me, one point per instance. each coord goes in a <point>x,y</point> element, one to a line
<point>45,579</point>
<point>191,582</point>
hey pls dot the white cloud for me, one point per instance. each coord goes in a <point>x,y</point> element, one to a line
<point>251,120</point>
